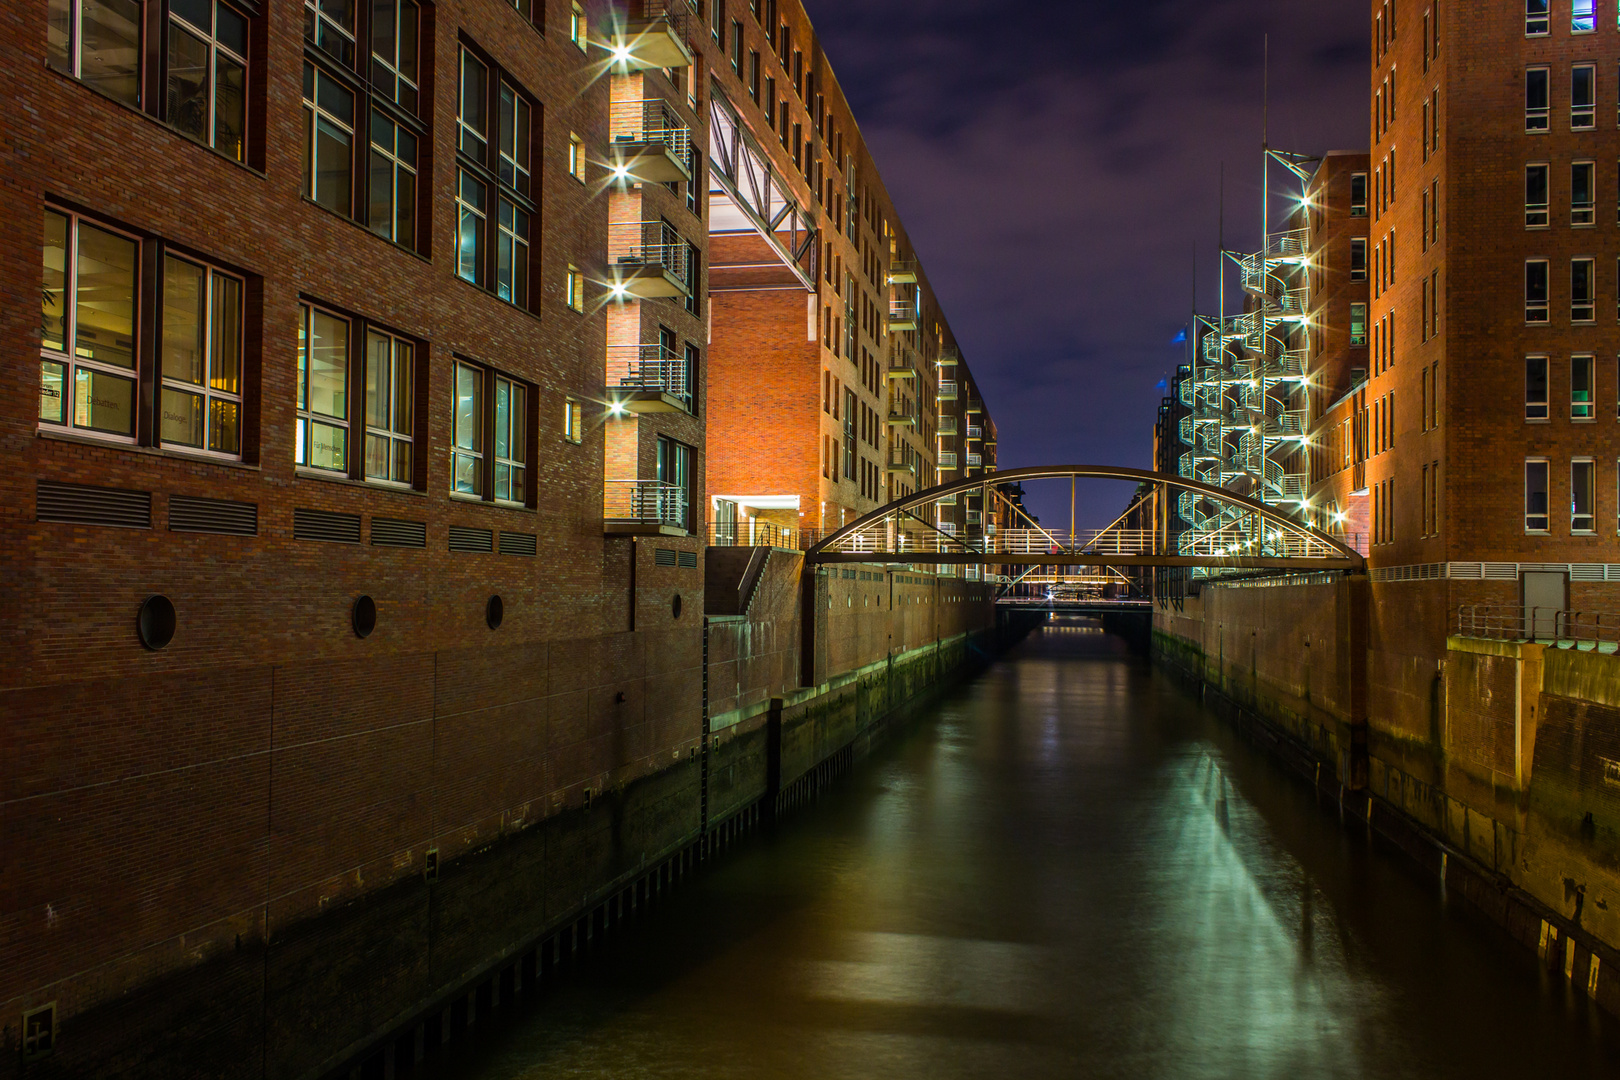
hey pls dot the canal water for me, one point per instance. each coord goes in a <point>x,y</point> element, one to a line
<point>1066,869</point>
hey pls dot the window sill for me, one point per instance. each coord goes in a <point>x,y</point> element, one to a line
<point>477,500</point>
<point>1583,419</point>
<point>305,473</point>
<point>150,451</point>
<point>1537,420</point>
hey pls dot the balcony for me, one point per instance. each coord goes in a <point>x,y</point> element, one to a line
<point>899,463</point>
<point>903,314</point>
<point>648,260</point>
<point>648,379</point>
<point>644,508</point>
<point>975,461</point>
<point>947,460</point>
<point>901,418</point>
<point>947,390</point>
<point>947,425</point>
<point>902,368</point>
<point>974,431</point>
<point>902,272</point>
<point>651,144</point>
<point>655,36</point>
<point>948,358</point>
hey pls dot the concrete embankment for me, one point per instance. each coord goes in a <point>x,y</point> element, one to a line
<point>1495,765</point>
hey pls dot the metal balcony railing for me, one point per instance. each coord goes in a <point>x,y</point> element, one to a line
<point>1594,630</point>
<point>903,272</point>
<point>974,461</point>
<point>947,425</point>
<point>644,502</point>
<point>652,121</point>
<point>947,459</point>
<point>903,313</point>
<point>974,431</point>
<point>651,369</point>
<point>947,390</point>
<point>649,243</point>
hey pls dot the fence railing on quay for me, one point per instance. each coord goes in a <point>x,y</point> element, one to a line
<point>1589,630</point>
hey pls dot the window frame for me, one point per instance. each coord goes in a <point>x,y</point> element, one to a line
<point>1537,18</point>
<point>1531,515</point>
<point>1583,114</point>
<point>1358,246</point>
<point>1537,401</point>
<point>356,425</point>
<point>211,41</point>
<point>1575,16</point>
<point>307,417</point>
<point>1538,118</point>
<point>1583,214</point>
<point>390,432</point>
<point>1582,481</point>
<point>1583,369</point>
<point>1582,308</point>
<point>1538,215</point>
<point>205,390</point>
<point>483,161</point>
<point>484,457</point>
<point>1537,312</point>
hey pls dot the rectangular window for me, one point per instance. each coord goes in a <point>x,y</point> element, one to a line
<point>1535,196</point>
<point>1582,193</point>
<point>1358,259</point>
<point>1535,388</point>
<point>577,28</point>
<point>99,42</point>
<point>467,452</point>
<point>753,76</point>
<point>494,207</point>
<point>737,47</point>
<point>1535,291</point>
<point>573,421</point>
<point>206,95</point>
<point>329,25</point>
<point>511,441</point>
<point>1582,495</point>
<point>1582,16</point>
<point>1536,107</point>
<point>1536,19</point>
<point>1358,195</point>
<point>328,144</point>
<point>576,288</point>
<point>1535,496</point>
<point>392,211</point>
<point>323,390</point>
<point>1583,97</point>
<point>1582,307</point>
<point>87,327</point>
<point>1582,374</point>
<point>390,408</point>
<point>395,26</point>
<point>675,471</point>
<point>1358,326</point>
<point>201,395</point>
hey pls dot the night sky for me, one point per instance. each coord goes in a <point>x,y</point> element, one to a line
<point>1056,163</point>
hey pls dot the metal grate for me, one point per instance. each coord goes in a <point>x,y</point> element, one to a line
<point>325,525</point>
<point>190,514</point>
<point>689,560</point>
<point>93,505</point>
<point>464,539</point>
<point>663,557</point>
<point>391,532</point>
<point>518,543</point>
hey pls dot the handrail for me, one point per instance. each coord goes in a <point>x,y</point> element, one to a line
<point>1555,626</point>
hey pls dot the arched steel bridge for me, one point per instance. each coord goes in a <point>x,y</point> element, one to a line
<point>1256,536</point>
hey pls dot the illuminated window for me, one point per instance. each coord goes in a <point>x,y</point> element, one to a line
<point>323,390</point>
<point>576,288</point>
<point>577,27</point>
<point>1581,376</point>
<point>1583,16</point>
<point>576,158</point>
<point>573,421</point>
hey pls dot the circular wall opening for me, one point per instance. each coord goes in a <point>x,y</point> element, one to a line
<point>494,612</point>
<point>364,616</point>
<point>156,622</point>
<point>675,606</point>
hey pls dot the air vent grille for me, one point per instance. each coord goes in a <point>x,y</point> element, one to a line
<point>465,539</point>
<point>324,525</point>
<point>390,532</point>
<point>517,543</point>
<point>663,557</point>
<point>93,505</point>
<point>190,514</point>
<point>689,560</point>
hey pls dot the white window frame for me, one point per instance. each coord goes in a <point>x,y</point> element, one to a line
<point>1583,309</point>
<point>1583,116</point>
<point>1538,412</point>
<point>1546,490</point>
<point>1583,411</point>
<point>1538,119</point>
<point>1583,524</point>
<point>1538,215</point>
<point>1538,311</point>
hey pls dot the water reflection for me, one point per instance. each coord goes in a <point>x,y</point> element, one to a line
<point>1069,870</point>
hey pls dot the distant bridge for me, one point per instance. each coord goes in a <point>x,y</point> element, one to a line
<point>1257,536</point>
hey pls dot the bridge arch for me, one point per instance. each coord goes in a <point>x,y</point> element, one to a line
<point>1258,536</point>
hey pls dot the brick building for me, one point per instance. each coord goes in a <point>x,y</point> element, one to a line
<point>357,465</point>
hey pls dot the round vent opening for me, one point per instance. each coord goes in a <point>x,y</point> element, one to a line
<point>675,606</point>
<point>364,616</point>
<point>494,612</point>
<point>156,622</point>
